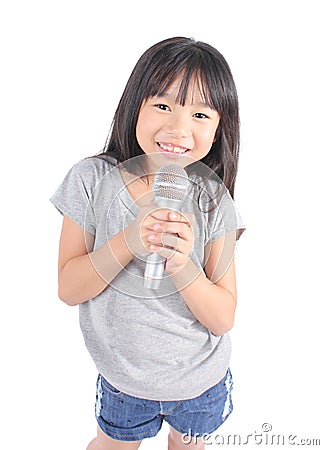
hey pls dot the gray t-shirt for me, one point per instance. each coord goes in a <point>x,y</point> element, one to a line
<point>146,343</point>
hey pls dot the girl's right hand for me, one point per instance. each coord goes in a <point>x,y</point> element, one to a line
<point>136,234</point>
<point>171,234</point>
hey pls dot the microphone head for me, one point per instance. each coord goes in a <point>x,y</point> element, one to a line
<point>170,183</point>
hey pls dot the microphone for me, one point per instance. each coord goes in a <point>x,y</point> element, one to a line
<point>169,188</point>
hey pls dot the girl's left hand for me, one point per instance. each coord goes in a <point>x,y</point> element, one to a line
<point>172,237</point>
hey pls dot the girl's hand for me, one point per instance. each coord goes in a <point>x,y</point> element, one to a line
<point>172,237</point>
<point>162,231</point>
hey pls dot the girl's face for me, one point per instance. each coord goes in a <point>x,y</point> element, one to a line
<point>180,134</point>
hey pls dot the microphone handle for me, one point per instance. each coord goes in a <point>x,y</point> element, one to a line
<point>154,271</point>
<point>155,263</point>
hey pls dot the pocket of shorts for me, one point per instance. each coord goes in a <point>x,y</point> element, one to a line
<point>109,388</point>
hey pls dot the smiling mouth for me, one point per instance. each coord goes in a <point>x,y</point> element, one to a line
<point>166,147</point>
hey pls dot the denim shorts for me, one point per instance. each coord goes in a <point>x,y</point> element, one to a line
<point>127,418</point>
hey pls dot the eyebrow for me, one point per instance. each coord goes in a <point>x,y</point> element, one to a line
<point>200,103</point>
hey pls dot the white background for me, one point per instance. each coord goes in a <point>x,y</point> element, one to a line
<point>64,67</point>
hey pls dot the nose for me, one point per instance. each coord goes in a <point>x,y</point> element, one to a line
<point>178,125</point>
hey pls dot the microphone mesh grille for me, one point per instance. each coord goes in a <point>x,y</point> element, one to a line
<point>171,181</point>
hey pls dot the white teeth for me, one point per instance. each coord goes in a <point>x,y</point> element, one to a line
<point>171,148</point>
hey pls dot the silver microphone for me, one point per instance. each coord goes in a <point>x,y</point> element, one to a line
<point>169,188</point>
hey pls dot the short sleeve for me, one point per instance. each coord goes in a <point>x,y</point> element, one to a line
<point>74,196</point>
<point>226,218</point>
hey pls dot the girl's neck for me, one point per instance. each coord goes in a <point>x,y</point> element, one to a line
<point>139,189</point>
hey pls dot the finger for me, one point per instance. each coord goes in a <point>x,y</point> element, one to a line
<point>171,255</point>
<point>170,241</point>
<point>155,223</point>
<point>167,253</point>
<point>179,245</point>
<point>169,215</point>
<point>160,214</point>
<point>182,229</point>
<point>167,239</point>
<point>181,217</point>
<point>160,226</point>
<point>148,220</point>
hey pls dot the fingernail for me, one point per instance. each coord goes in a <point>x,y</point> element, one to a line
<point>174,216</point>
<point>152,237</point>
<point>153,248</point>
<point>157,227</point>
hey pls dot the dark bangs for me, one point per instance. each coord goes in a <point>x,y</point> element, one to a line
<point>187,59</point>
<point>188,67</point>
<point>154,73</point>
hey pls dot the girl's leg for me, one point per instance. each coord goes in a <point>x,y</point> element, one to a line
<point>104,442</point>
<point>175,442</point>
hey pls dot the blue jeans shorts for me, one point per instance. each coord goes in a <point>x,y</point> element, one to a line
<point>127,418</point>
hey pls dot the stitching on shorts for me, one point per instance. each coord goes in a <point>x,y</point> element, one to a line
<point>228,402</point>
<point>136,437</point>
<point>99,397</point>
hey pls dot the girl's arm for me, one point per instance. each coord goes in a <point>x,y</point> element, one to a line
<point>82,273</point>
<point>211,297</point>
<point>209,294</point>
<point>79,267</point>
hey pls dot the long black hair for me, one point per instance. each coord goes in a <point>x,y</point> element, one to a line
<point>154,72</point>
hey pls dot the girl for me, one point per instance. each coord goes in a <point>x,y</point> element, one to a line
<point>161,354</point>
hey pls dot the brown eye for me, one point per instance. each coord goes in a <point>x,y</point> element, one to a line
<point>200,116</point>
<point>162,107</point>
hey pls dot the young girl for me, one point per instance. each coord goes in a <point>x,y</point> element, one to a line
<point>161,354</point>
